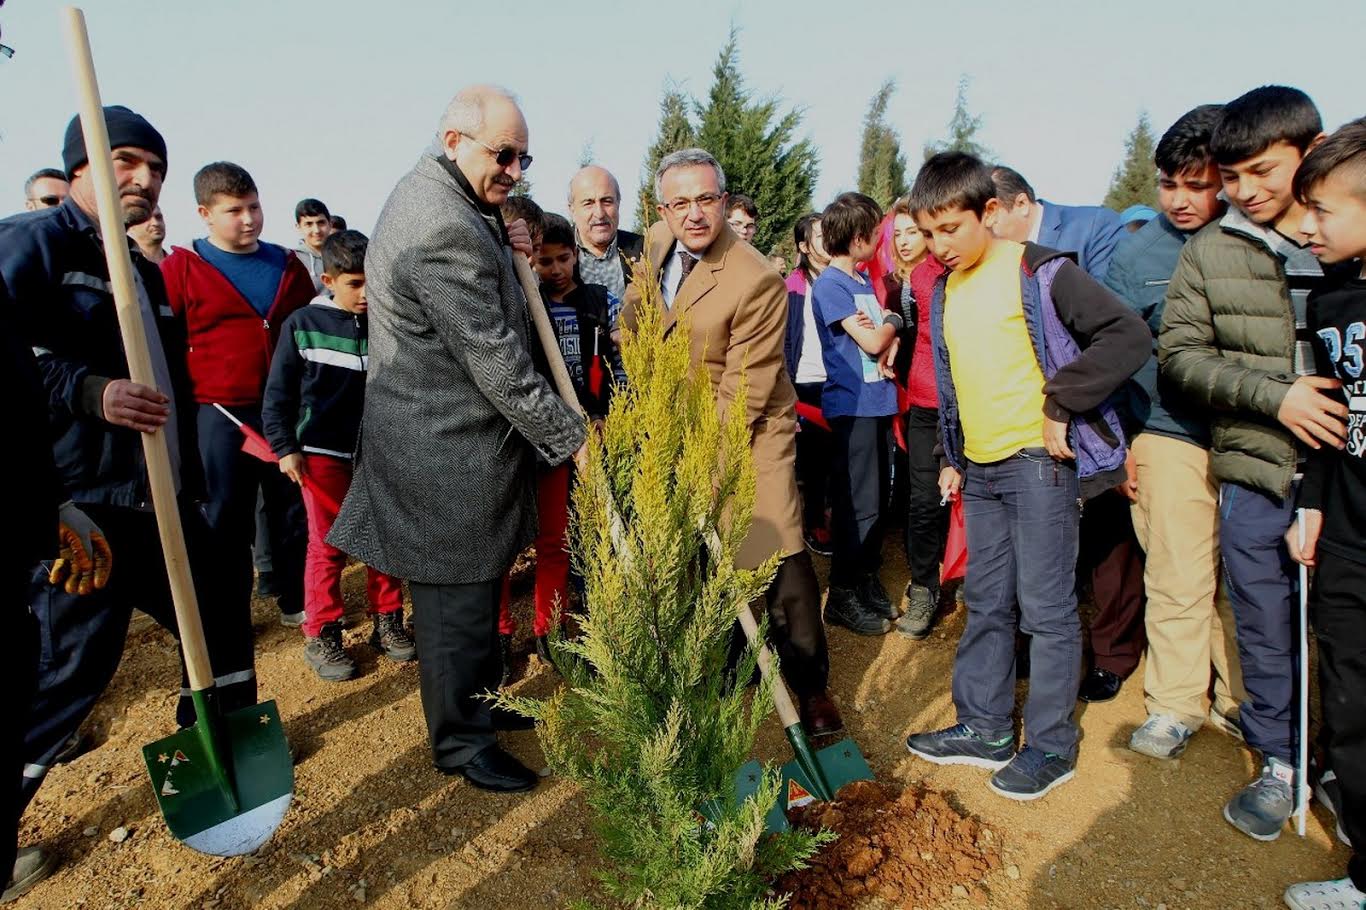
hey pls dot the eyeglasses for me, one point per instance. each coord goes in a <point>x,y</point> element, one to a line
<point>506,155</point>
<point>682,205</point>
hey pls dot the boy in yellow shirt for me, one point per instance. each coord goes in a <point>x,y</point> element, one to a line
<point>1028,350</point>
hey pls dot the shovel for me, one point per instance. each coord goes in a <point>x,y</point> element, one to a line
<point>811,775</point>
<point>223,784</point>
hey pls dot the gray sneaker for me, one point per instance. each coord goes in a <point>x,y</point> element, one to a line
<point>31,865</point>
<point>919,616</point>
<point>1161,736</point>
<point>844,607</point>
<point>1261,809</point>
<point>326,655</point>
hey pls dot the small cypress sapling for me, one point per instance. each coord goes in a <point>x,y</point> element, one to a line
<point>651,722</point>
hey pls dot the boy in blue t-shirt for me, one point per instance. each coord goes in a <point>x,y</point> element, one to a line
<point>858,400</point>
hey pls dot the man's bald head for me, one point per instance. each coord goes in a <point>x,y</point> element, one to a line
<point>595,205</point>
<point>480,122</point>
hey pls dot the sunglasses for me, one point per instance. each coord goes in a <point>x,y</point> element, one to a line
<point>506,155</point>
<point>50,201</point>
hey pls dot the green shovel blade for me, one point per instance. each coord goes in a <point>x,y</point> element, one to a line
<point>840,763</point>
<point>224,784</point>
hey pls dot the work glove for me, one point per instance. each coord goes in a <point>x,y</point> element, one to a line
<point>84,559</point>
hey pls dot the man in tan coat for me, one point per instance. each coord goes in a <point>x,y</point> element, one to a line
<point>735,306</point>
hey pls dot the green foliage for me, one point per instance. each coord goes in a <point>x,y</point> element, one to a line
<point>675,132</point>
<point>586,154</point>
<point>963,129</point>
<point>881,166</point>
<point>651,724</point>
<point>754,139</point>
<point>521,187</point>
<point>1135,180</point>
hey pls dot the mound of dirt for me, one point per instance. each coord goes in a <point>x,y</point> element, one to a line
<point>910,848</point>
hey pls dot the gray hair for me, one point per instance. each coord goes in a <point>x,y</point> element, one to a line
<point>693,157</point>
<point>465,113</point>
<point>616,186</point>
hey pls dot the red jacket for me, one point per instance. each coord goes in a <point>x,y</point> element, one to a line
<point>229,345</point>
<point>920,384</point>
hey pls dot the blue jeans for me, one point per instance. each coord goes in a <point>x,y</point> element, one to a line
<point>1021,518</point>
<point>1261,580</point>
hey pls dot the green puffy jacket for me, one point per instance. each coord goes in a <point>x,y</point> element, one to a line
<point>1228,344</point>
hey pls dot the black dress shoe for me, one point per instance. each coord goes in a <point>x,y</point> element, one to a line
<point>503,719</point>
<point>820,717</point>
<point>496,771</point>
<point>1099,685</point>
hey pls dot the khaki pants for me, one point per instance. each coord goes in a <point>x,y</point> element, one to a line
<point>1189,621</point>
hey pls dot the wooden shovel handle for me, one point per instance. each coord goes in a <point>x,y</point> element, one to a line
<point>782,701</point>
<point>133,331</point>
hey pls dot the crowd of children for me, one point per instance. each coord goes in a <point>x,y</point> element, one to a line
<point>1196,387</point>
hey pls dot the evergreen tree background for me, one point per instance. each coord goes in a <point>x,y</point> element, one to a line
<point>675,132</point>
<point>882,166</point>
<point>963,129</point>
<point>1135,180</point>
<point>754,139</point>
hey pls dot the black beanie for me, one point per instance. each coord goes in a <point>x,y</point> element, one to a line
<point>125,128</point>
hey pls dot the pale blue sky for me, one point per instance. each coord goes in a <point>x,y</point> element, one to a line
<point>337,99</point>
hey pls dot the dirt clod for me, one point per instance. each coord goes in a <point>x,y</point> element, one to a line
<point>908,847</point>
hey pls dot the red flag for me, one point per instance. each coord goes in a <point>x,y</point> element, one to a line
<point>255,445</point>
<point>597,376</point>
<point>956,547</point>
<point>812,414</point>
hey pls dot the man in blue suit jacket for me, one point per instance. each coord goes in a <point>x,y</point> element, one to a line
<point>1089,231</point>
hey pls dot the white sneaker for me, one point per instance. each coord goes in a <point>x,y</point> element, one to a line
<point>1161,736</point>
<point>1334,895</point>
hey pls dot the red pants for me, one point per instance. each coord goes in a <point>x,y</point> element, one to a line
<point>323,563</point>
<point>552,552</point>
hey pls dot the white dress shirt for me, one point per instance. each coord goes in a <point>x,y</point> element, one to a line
<point>672,276</point>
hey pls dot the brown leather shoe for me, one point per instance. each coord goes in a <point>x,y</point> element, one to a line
<point>820,717</point>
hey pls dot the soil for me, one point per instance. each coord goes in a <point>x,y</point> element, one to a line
<point>910,848</point>
<point>372,824</point>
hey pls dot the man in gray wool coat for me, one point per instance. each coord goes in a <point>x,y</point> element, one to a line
<point>455,416</point>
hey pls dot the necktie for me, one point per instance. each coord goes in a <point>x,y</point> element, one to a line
<point>686,261</point>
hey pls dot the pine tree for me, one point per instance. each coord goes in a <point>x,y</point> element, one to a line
<point>882,167</point>
<point>651,724</point>
<point>586,153</point>
<point>1135,180</point>
<point>963,128</point>
<point>521,187</point>
<point>675,132</point>
<point>754,142</point>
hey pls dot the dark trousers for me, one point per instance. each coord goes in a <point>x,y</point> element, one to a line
<point>1021,517</point>
<point>814,449</point>
<point>81,638</point>
<point>794,626</point>
<point>233,479</point>
<point>18,677</point>
<point>1260,579</point>
<point>927,522</point>
<point>858,488</point>
<point>1111,556</point>
<point>456,628</point>
<point>1339,607</point>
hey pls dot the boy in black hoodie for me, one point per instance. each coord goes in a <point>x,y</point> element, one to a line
<point>1330,532</point>
<point>311,416</point>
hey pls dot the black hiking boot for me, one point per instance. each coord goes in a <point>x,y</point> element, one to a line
<point>326,655</point>
<point>391,639</point>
